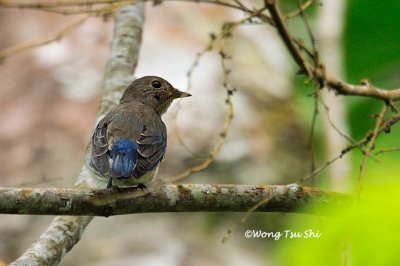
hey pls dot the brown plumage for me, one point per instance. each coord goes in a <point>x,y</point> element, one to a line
<point>131,140</point>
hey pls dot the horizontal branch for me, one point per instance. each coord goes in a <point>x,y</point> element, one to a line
<point>166,198</point>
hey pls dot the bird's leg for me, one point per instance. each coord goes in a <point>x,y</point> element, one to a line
<point>109,184</point>
<point>140,186</point>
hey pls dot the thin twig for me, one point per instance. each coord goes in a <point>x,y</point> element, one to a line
<point>230,230</point>
<point>295,47</point>
<point>315,58</point>
<point>318,170</point>
<point>309,32</point>
<point>76,3</point>
<point>42,41</point>
<point>312,132</point>
<point>59,3</point>
<point>371,144</point>
<point>296,12</point>
<point>287,38</point>
<point>384,127</point>
<point>90,10</point>
<point>387,150</point>
<point>223,134</point>
<point>225,32</point>
<point>341,133</point>
<point>175,112</point>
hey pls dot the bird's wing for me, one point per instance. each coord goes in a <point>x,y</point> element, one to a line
<point>108,139</point>
<point>99,155</point>
<point>152,144</point>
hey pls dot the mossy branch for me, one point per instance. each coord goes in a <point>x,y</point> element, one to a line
<point>168,198</point>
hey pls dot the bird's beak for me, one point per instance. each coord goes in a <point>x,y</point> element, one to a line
<point>181,94</point>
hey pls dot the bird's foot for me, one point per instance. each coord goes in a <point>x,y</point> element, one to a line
<point>113,187</point>
<point>140,186</point>
<point>109,184</point>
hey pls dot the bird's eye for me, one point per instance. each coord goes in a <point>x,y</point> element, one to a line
<point>156,84</point>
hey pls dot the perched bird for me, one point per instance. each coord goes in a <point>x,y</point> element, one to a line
<point>131,140</point>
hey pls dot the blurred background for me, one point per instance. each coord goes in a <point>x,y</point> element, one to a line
<point>49,98</point>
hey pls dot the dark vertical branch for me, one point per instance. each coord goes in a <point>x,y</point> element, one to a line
<point>287,38</point>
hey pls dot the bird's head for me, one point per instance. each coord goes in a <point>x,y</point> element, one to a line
<point>153,91</point>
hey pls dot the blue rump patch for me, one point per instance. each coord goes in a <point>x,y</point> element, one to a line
<point>124,157</point>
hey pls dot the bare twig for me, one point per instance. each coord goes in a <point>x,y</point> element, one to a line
<point>315,57</point>
<point>366,89</point>
<point>312,132</point>
<point>42,41</point>
<point>245,217</point>
<point>189,75</point>
<point>340,132</point>
<point>218,39</point>
<point>371,144</point>
<point>287,38</point>
<point>53,5</point>
<point>301,9</point>
<point>387,150</point>
<point>384,127</point>
<point>309,32</point>
<point>332,124</point>
<point>318,170</point>
<point>215,39</point>
<point>91,10</point>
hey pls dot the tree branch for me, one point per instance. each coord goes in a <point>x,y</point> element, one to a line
<point>166,198</point>
<point>42,41</point>
<point>294,46</point>
<point>317,72</point>
<point>365,89</point>
<point>65,232</point>
<point>287,38</point>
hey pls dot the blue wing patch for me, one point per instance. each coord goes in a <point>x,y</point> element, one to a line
<point>124,157</point>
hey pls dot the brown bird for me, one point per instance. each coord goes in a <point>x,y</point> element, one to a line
<point>129,143</point>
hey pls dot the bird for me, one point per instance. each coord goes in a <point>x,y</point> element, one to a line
<point>130,142</point>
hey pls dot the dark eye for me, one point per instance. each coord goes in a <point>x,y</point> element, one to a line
<point>156,84</point>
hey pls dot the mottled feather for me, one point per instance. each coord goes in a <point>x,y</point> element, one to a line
<point>149,135</point>
<point>131,140</point>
